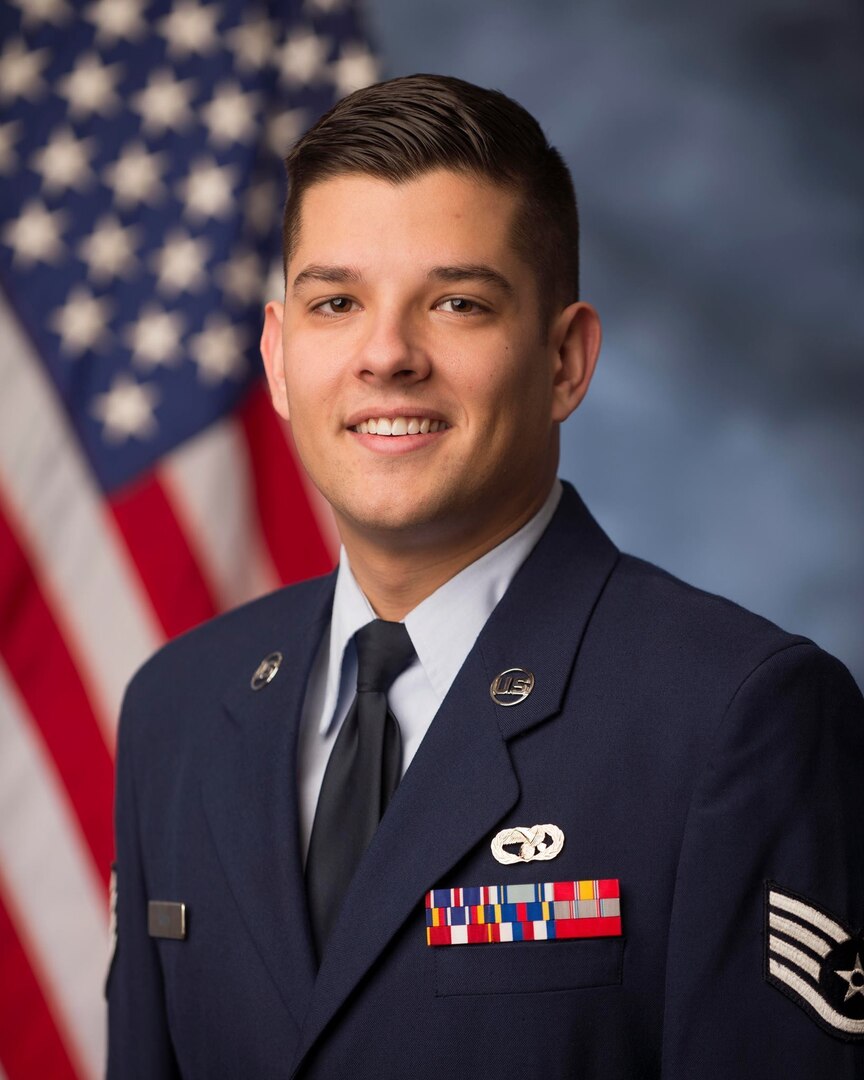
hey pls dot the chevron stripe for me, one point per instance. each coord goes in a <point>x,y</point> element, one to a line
<point>814,999</point>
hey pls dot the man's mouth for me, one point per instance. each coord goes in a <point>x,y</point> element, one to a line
<point>399,425</point>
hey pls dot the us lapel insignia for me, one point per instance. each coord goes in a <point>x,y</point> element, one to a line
<point>815,960</point>
<point>537,842</point>
<point>512,686</point>
<point>541,911</point>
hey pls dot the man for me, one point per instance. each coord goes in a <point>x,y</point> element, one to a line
<point>619,818</point>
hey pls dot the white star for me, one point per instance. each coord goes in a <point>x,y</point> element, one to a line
<point>34,235</point>
<point>81,321</point>
<point>262,206</point>
<point>231,115</point>
<point>251,42</point>
<point>126,409</point>
<point>284,128</point>
<point>64,161</point>
<point>155,337</point>
<point>9,133</point>
<point>303,57</point>
<point>208,190</point>
<point>21,71</point>
<point>164,102</point>
<point>180,263</point>
<point>42,11</point>
<point>89,87</point>
<point>136,175</point>
<point>116,19</point>
<point>109,251</point>
<point>242,277</point>
<point>218,350</point>
<point>190,28</point>
<point>855,978</point>
<point>355,68</point>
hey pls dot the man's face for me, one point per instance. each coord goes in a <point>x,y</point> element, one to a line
<point>408,311</point>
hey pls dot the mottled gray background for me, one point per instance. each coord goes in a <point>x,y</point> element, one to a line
<point>718,157</point>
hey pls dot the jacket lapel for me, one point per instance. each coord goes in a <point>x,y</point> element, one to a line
<point>461,781</point>
<point>250,800</point>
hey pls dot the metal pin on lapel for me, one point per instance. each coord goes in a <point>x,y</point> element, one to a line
<point>512,686</point>
<point>266,670</point>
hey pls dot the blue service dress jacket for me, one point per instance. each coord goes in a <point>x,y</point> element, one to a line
<point>709,762</point>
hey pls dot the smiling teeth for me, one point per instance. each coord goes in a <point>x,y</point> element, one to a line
<point>400,425</point>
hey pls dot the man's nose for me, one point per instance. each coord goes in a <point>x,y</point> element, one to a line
<point>392,349</point>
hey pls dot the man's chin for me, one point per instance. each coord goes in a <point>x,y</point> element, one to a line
<point>408,521</point>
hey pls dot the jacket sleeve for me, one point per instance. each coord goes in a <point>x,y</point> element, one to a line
<point>139,1043</point>
<point>769,896</point>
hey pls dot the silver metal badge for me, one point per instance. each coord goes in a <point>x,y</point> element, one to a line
<point>266,670</point>
<point>512,686</point>
<point>815,960</point>
<point>166,919</point>
<point>537,843</point>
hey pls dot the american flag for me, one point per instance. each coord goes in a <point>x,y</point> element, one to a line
<point>145,483</point>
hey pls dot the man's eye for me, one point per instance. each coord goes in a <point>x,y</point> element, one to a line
<point>460,306</point>
<point>336,305</point>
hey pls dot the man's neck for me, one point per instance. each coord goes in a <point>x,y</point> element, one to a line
<point>396,577</point>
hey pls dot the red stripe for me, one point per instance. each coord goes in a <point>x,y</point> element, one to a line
<point>30,1044</point>
<point>287,520</point>
<point>564,890</point>
<point>438,935</point>
<point>607,926</point>
<point>180,594</point>
<point>607,889</point>
<point>40,664</point>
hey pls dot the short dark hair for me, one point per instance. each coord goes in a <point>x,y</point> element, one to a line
<point>400,129</point>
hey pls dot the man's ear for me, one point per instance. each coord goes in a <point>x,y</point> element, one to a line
<point>271,352</point>
<point>575,336</point>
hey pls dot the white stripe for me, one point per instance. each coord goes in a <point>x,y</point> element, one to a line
<point>54,897</point>
<point>2,1073</point>
<point>815,1000</point>
<point>795,930</point>
<point>80,560</point>
<point>808,913</point>
<point>208,482</point>
<point>795,956</point>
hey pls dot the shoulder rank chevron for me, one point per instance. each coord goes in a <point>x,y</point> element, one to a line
<point>816,961</point>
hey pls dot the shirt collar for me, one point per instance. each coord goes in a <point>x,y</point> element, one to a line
<point>462,604</point>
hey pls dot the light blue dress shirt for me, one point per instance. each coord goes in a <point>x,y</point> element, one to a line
<point>443,629</point>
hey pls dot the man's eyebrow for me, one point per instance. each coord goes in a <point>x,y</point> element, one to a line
<point>455,274</point>
<point>329,275</point>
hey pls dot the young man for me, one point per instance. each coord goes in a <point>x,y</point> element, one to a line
<point>619,819</point>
